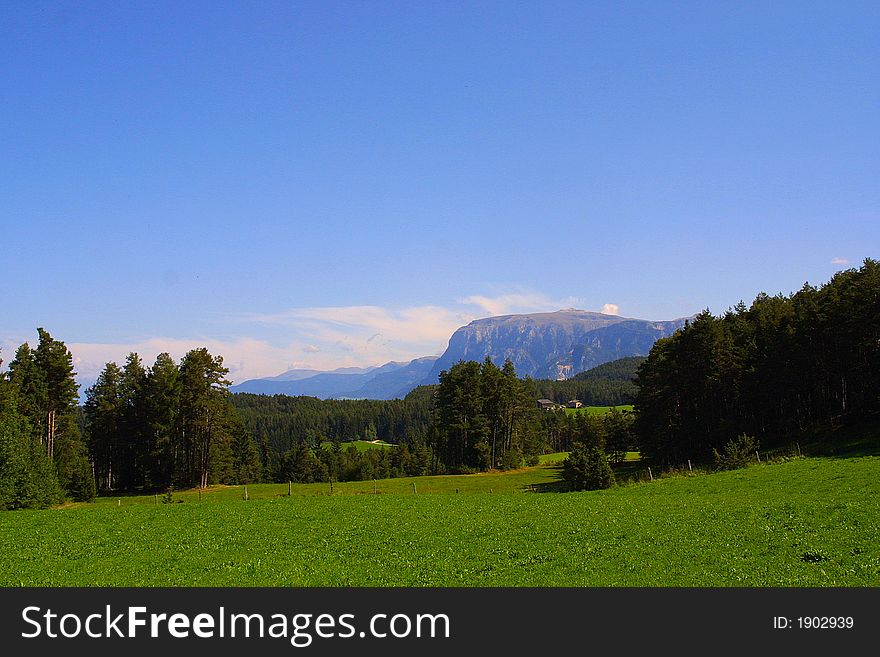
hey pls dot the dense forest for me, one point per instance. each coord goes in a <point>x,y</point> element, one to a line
<point>770,371</point>
<point>610,384</point>
<point>279,422</point>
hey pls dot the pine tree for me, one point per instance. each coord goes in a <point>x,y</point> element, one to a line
<point>104,411</point>
<point>202,423</point>
<point>163,407</point>
<point>27,476</point>
<point>45,383</point>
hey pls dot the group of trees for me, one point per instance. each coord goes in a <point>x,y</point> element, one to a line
<point>609,384</point>
<point>307,463</point>
<point>42,454</point>
<point>484,417</point>
<point>279,422</point>
<point>167,425</point>
<point>611,432</point>
<point>782,366</point>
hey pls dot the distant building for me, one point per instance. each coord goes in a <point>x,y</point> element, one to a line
<point>574,403</point>
<point>547,404</point>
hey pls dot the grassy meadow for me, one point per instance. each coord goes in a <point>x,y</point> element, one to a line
<point>597,410</point>
<point>360,445</point>
<point>804,522</point>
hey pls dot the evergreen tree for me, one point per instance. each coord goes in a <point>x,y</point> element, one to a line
<point>162,408</point>
<point>103,410</point>
<point>135,439</point>
<point>27,476</point>
<point>203,420</point>
<point>44,382</point>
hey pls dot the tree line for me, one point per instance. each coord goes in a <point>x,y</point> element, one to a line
<point>169,425</point>
<point>782,366</point>
<point>43,457</point>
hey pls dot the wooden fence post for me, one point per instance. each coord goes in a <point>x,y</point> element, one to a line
<point>650,475</point>
<point>758,456</point>
<point>288,488</point>
<point>689,466</point>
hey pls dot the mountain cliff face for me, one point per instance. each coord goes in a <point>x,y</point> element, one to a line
<point>552,345</point>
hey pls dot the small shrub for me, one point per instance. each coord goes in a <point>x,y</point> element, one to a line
<point>168,497</point>
<point>587,468</point>
<point>737,453</point>
<point>534,459</point>
<point>512,459</point>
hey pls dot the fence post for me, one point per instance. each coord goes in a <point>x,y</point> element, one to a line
<point>374,487</point>
<point>288,489</point>
<point>245,493</point>
<point>758,456</point>
<point>689,466</point>
<point>799,449</point>
<point>414,487</point>
<point>650,475</point>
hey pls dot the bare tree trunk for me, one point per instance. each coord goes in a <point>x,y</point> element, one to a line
<point>50,436</point>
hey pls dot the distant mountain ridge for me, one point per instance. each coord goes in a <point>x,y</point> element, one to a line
<point>554,345</point>
<point>389,381</point>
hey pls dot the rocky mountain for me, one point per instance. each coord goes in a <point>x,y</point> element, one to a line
<point>389,381</point>
<point>554,345</point>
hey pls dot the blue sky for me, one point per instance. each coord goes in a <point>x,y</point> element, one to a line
<point>323,184</point>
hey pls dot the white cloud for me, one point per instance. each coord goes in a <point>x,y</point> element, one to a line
<point>519,302</point>
<point>611,309</point>
<point>326,337</point>
<point>245,357</point>
<point>839,261</point>
<point>418,330</point>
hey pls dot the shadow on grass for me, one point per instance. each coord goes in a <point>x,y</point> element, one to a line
<point>626,472</point>
<point>557,485</point>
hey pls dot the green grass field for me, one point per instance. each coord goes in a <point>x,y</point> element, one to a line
<point>597,410</point>
<point>806,522</point>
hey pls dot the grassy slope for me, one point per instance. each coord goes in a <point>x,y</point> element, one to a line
<point>810,522</point>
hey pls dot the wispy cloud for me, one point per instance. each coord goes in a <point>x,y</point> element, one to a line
<point>839,261</point>
<point>519,302</point>
<point>325,337</point>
